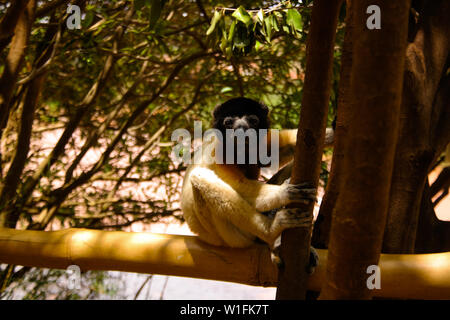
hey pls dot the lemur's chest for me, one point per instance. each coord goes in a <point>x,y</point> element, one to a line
<point>234,173</point>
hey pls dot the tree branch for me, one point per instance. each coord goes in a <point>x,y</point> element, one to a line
<point>71,126</point>
<point>295,243</point>
<point>60,194</point>
<point>9,21</point>
<point>18,46</point>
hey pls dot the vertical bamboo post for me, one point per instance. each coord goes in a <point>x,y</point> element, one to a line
<point>376,90</point>
<point>295,244</point>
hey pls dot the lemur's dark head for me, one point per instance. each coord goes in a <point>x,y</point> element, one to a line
<point>241,113</point>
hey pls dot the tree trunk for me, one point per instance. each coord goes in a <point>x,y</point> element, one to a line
<point>7,83</point>
<point>30,103</point>
<point>433,235</point>
<point>16,54</point>
<point>424,124</point>
<point>321,232</point>
<point>376,86</point>
<point>310,138</point>
<point>442,183</point>
<point>9,21</point>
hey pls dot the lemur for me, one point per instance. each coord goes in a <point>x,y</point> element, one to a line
<point>224,203</point>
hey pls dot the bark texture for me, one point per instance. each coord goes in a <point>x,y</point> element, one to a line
<point>310,138</point>
<point>8,80</point>
<point>424,124</point>
<point>376,90</point>
<point>322,225</point>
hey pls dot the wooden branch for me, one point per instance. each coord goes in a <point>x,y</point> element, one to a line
<point>15,56</point>
<point>322,226</point>
<point>7,83</point>
<point>441,183</point>
<point>48,7</point>
<point>310,139</point>
<point>424,276</point>
<point>433,235</point>
<point>59,195</point>
<point>108,177</point>
<point>31,101</point>
<point>72,125</point>
<point>153,139</point>
<point>376,90</point>
<point>423,124</point>
<point>41,68</point>
<point>441,114</point>
<point>93,138</point>
<point>84,177</point>
<point>9,21</point>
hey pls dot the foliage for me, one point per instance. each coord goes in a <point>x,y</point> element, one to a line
<point>111,93</point>
<point>44,284</point>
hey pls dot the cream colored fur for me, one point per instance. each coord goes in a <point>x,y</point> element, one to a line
<point>225,208</point>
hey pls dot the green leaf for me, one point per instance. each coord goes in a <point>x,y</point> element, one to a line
<point>242,15</point>
<point>226,89</point>
<point>258,45</point>
<point>223,44</point>
<point>294,19</point>
<point>270,24</point>
<point>88,18</point>
<point>214,20</point>
<point>242,38</point>
<point>260,15</point>
<point>232,31</point>
<point>274,23</point>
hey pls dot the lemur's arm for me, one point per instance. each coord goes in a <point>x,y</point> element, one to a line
<point>227,202</point>
<point>288,139</point>
<point>262,196</point>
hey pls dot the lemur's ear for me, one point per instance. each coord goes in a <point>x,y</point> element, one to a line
<point>217,110</point>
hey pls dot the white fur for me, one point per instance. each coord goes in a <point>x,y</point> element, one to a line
<point>225,208</point>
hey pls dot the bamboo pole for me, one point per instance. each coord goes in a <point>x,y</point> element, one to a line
<point>295,242</point>
<point>360,214</point>
<point>422,276</point>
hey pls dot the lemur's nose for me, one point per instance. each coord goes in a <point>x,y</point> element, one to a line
<point>240,124</point>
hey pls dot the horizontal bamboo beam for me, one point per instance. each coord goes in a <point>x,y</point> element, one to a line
<point>421,276</point>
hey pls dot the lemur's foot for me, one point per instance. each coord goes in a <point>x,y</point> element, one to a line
<point>313,260</point>
<point>275,253</point>
<point>276,259</point>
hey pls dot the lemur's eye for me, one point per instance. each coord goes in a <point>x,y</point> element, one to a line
<point>228,121</point>
<point>253,120</point>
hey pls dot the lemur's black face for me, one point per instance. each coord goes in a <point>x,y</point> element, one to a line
<point>248,121</point>
<point>241,115</point>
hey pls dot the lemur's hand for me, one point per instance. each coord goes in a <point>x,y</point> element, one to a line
<point>299,193</point>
